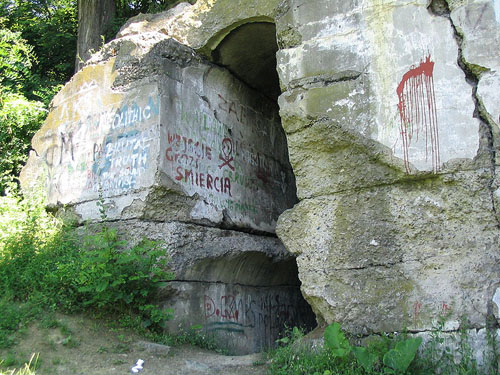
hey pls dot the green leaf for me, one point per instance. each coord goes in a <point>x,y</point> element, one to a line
<point>117,282</point>
<point>128,299</point>
<point>336,341</point>
<point>103,284</point>
<point>403,354</point>
<point>365,358</point>
<point>284,340</point>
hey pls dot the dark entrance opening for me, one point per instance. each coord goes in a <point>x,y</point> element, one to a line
<point>249,53</point>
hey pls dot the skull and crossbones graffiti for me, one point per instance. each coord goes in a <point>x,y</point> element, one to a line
<point>227,152</point>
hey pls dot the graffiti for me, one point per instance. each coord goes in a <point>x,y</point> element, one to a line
<point>66,146</point>
<point>58,146</point>
<point>188,157</point>
<point>131,114</point>
<point>204,180</point>
<point>235,205</point>
<point>445,309</point>
<point>270,311</point>
<point>89,130</point>
<point>196,119</point>
<point>442,309</point>
<point>265,166</point>
<point>223,152</point>
<point>102,121</point>
<point>227,150</point>
<point>241,207</point>
<point>225,326</point>
<point>417,306</point>
<point>185,151</point>
<point>417,111</point>
<point>236,111</point>
<point>119,161</point>
<point>245,181</point>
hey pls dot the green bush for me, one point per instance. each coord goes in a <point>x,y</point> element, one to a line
<point>292,358</point>
<point>19,116</point>
<point>395,360</point>
<point>46,264</point>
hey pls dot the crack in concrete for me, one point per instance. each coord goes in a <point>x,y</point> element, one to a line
<point>445,331</point>
<point>440,8</point>
<point>370,265</point>
<point>323,80</point>
<point>389,265</point>
<point>400,181</point>
<point>160,221</point>
<point>232,284</point>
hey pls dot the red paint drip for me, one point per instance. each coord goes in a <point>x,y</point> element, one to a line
<point>417,111</point>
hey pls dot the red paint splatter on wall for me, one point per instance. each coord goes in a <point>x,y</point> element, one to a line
<point>417,111</point>
<point>445,309</point>
<point>417,306</point>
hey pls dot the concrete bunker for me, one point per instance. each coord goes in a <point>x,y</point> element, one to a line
<point>395,245</point>
<point>192,153</point>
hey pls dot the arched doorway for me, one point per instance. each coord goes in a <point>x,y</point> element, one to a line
<point>248,52</point>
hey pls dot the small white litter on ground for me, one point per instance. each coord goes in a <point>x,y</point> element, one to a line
<point>138,366</point>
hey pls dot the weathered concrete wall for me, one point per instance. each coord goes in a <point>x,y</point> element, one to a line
<point>175,148</point>
<point>391,146</point>
<point>97,140</point>
<point>242,319</point>
<point>241,288</point>
<point>175,124</point>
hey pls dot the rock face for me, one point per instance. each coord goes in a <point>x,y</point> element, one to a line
<point>392,133</point>
<point>391,120</point>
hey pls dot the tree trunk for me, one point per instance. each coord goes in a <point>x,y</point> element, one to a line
<point>94,17</point>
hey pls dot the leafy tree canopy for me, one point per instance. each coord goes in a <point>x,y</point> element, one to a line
<point>37,48</point>
<point>50,27</point>
<point>16,58</point>
<point>19,116</point>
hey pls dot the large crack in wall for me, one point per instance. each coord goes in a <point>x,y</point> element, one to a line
<point>473,75</point>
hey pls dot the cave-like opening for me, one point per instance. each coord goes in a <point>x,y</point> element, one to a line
<point>249,53</point>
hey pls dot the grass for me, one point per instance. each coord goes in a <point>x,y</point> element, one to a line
<point>47,266</point>
<point>28,368</point>
<point>194,336</point>
<point>290,361</point>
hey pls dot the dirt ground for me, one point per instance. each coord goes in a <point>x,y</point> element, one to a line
<point>79,345</point>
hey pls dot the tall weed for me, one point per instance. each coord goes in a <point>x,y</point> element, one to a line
<point>46,264</point>
<point>380,355</point>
